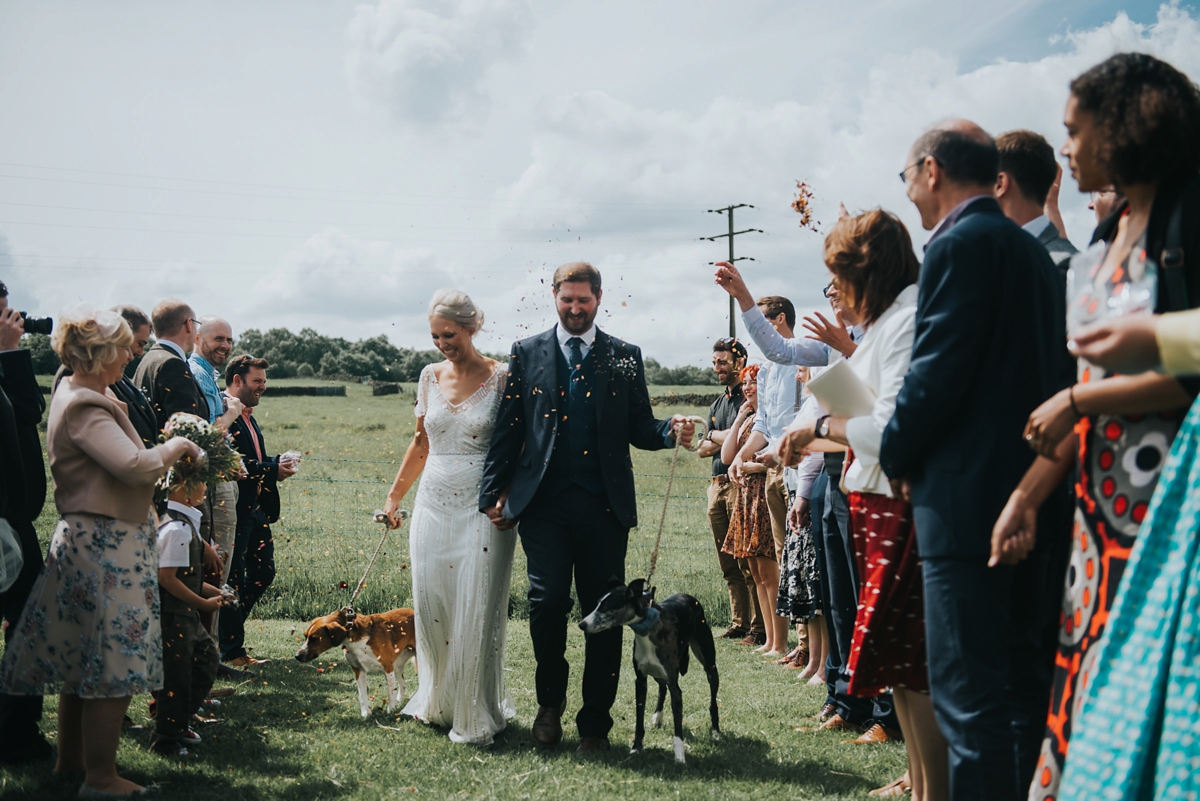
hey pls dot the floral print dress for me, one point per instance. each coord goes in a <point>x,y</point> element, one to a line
<point>91,625</point>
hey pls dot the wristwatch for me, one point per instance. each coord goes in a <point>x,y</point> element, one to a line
<point>821,429</point>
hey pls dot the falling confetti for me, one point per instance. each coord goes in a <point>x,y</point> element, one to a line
<point>802,206</point>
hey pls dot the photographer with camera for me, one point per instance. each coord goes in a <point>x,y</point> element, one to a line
<point>22,494</point>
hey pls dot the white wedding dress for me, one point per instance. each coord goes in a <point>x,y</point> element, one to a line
<point>461,570</point>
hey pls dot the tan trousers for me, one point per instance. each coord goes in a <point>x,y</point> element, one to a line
<point>218,525</point>
<point>743,600</point>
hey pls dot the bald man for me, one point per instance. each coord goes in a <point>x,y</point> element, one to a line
<point>218,521</point>
<point>990,346</point>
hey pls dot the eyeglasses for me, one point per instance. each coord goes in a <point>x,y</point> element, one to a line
<point>918,164</point>
<point>194,320</point>
<point>828,288</point>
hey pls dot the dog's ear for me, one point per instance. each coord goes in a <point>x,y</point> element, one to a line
<point>615,582</point>
<point>636,588</point>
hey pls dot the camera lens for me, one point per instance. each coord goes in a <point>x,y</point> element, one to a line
<point>38,325</point>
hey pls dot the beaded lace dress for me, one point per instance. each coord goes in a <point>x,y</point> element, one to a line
<point>461,570</point>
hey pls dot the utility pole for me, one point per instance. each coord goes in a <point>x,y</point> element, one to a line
<point>728,211</point>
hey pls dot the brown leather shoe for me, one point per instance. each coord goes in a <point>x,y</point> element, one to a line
<point>592,745</point>
<point>900,787</point>
<point>547,726</point>
<point>243,662</point>
<point>754,638</point>
<point>877,734</point>
<point>834,723</point>
<point>827,711</point>
<point>733,633</point>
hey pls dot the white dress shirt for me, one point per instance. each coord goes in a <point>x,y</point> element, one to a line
<point>588,337</point>
<point>799,351</point>
<point>1036,226</point>
<point>881,361</point>
<point>166,343</point>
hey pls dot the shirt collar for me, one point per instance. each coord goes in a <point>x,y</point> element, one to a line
<point>203,362</point>
<point>189,512</point>
<point>166,343</point>
<point>588,336</point>
<point>1037,225</point>
<point>950,219</point>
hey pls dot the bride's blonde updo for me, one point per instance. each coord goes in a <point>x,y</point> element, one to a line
<point>457,307</point>
<point>87,339</point>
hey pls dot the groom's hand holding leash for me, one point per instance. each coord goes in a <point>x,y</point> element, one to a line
<point>684,429</point>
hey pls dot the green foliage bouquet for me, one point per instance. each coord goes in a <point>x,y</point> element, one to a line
<point>218,461</point>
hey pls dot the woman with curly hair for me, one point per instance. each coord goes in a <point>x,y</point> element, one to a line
<point>1133,122</point>
<point>90,628</point>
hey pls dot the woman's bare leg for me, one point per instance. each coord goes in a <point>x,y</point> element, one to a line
<point>769,569</point>
<point>911,744</point>
<point>70,734</point>
<point>935,757</point>
<point>102,718</point>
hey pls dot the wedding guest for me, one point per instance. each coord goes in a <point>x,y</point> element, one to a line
<point>827,343</point>
<point>873,264</point>
<point>1135,343</point>
<point>106,644</point>
<point>218,522</point>
<point>22,495</point>
<point>750,535</point>
<point>252,563</point>
<point>729,357</point>
<point>953,449</point>
<point>1104,201</point>
<point>1028,170</point>
<point>163,374</point>
<point>1132,121</point>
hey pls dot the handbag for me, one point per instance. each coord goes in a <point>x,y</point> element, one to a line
<point>11,560</point>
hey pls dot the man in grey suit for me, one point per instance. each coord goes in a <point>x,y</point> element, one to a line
<point>163,373</point>
<point>1028,172</point>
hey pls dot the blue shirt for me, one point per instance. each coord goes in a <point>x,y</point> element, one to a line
<point>206,378</point>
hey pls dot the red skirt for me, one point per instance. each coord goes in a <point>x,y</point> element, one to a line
<point>888,649</point>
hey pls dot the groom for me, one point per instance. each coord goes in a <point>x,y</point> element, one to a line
<point>559,462</point>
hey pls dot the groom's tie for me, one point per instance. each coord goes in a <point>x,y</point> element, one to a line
<point>576,395</point>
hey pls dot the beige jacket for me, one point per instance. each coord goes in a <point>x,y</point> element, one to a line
<point>97,459</point>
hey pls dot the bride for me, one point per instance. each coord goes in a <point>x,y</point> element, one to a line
<point>461,563</point>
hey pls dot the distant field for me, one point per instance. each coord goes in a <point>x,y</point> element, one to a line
<point>353,446</point>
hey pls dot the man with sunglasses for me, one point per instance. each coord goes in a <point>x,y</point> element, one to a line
<point>164,374</point>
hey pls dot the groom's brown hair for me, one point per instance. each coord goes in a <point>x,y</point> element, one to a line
<point>577,271</point>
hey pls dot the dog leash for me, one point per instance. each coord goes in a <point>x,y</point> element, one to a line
<point>701,424</point>
<point>380,517</point>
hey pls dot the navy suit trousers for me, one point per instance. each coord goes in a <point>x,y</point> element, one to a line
<point>565,534</point>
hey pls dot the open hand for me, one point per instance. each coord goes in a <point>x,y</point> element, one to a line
<point>834,334</point>
<point>1123,345</point>
<point>212,560</point>
<point>1015,532</point>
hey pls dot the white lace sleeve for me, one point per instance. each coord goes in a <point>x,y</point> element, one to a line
<point>423,390</point>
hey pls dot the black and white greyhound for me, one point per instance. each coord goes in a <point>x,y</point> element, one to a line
<point>662,635</point>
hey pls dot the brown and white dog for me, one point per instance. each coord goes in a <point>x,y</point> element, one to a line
<point>373,644</point>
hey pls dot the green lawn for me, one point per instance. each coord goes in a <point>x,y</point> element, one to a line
<point>296,734</point>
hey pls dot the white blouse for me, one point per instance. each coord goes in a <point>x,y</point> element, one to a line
<point>881,361</point>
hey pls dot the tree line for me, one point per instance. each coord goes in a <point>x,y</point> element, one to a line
<point>308,354</point>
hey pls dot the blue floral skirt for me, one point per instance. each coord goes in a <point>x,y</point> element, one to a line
<point>1135,735</point>
<point>91,625</point>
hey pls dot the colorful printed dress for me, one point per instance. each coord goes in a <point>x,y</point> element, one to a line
<point>750,531</point>
<point>1120,458</point>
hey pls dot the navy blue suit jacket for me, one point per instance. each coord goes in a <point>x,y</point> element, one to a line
<point>527,423</point>
<point>260,487</point>
<point>990,346</point>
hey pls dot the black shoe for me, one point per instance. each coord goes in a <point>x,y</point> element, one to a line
<point>233,674</point>
<point>30,754</point>
<point>547,726</point>
<point>734,633</point>
<point>169,748</point>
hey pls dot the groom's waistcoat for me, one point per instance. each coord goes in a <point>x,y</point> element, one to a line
<point>576,455</point>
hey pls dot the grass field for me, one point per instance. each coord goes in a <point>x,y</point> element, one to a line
<point>296,734</point>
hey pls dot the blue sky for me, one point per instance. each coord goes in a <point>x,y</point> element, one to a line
<point>332,164</point>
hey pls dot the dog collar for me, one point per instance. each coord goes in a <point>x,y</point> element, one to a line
<point>643,626</point>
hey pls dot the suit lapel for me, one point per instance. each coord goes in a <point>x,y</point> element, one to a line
<point>600,352</point>
<point>544,371</point>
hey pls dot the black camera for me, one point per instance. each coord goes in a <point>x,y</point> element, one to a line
<point>38,325</point>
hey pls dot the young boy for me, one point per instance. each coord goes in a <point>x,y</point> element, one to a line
<point>190,656</point>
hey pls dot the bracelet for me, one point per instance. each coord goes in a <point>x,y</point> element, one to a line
<point>1074,408</point>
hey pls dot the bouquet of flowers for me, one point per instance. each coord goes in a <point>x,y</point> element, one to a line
<point>218,461</point>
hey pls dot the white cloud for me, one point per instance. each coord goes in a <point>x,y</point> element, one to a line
<point>426,60</point>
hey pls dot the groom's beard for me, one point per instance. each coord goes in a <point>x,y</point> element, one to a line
<point>576,323</point>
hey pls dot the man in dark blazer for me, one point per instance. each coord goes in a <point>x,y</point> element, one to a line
<point>252,567</point>
<point>22,495</point>
<point>990,346</point>
<point>559,462</point>
<point>163,373</point>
